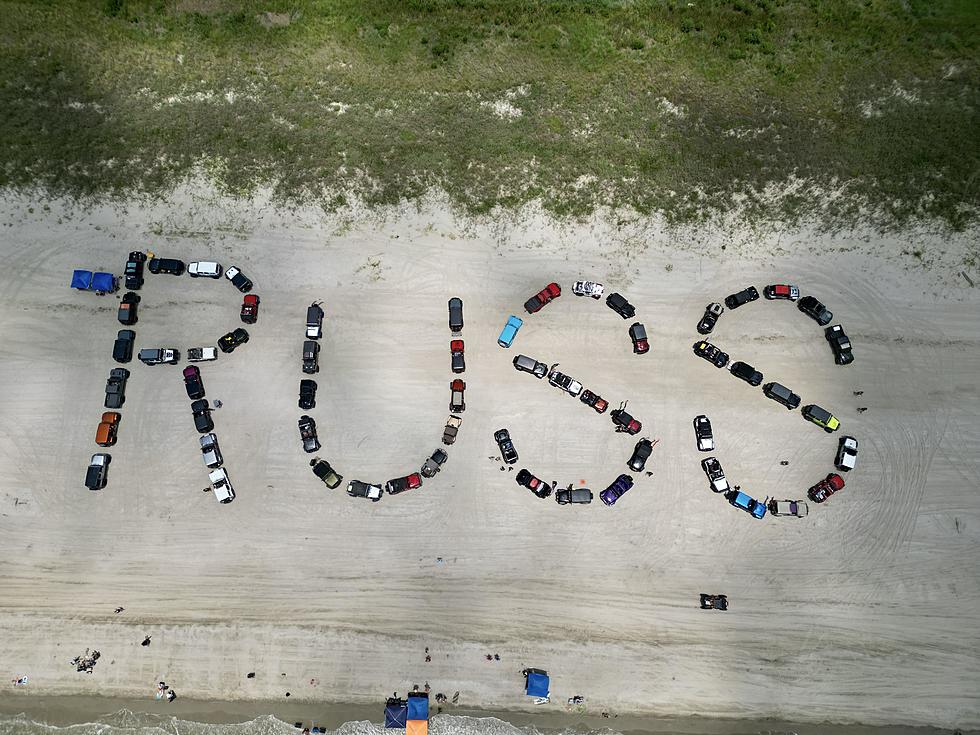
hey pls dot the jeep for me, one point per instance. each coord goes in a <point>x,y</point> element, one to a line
<point>401,484</point>
<point>127,308</point>
<point>620,305</point>
<point>238,279</point>
<point>741,298</point>
<point>457,404</point>
<point>821,417</point>
<point>115,388</point>
<point>530,365</point>
<point>311,359</point>
<point>544,296</point>
<point>573,496</point>
<point>434,463</point>
<point>97,474</point>
<point>193,383</point>
<point>202,416</point>
<point>815,310</point>
<point>122,348</point>
<point>327,474</point>
<point>358,489</point>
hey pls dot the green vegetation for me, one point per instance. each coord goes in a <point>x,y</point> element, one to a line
<point>677,107</point>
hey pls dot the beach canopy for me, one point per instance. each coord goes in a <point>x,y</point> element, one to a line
<point>418,706</point>
<point>81,280</point>
<point>103,282</point>
<point>538,683</point>
<point>417,727</point>
<point>396,713</point>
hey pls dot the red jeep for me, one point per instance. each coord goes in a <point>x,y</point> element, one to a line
<point>250,309</point>
<point>549,292</point>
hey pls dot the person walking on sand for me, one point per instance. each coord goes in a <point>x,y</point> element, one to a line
<point>119,610</point>
<point>146,641</point>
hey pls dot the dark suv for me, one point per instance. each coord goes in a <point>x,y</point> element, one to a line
<point>166,265</point>
<point>115,388</point>
<point>641,453</point>
<point>122,348</point>
<point>840,344</point>
<point>781,394</point>
<point>311,360</point>
<point>202,416</point>
<point>746,372</point>
<point>530,365</point>
<point>742,298</point>
<point>193,383</point>
<point>578,495</point>
<point>455,314</point>
<point>307,394</point>
<point>134,270</point>
<point>815,310</point>
<point>620,305</point>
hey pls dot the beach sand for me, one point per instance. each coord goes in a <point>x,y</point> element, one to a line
<point>866,611</point>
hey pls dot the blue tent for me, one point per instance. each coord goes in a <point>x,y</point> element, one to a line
<point>396,713</point>
<point>104,282</point>
<point>82,280</point>
<point>538,683</point>
<point>418,706</point>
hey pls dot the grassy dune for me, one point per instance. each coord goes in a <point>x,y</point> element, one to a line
<point>682,108</point>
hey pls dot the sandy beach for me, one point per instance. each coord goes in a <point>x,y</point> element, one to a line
<point>864,612</point>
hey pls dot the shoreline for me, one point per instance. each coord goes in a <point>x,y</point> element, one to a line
<point>66,710</point>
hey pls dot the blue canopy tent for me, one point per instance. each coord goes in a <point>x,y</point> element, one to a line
<point>105,282</point>
<point>537,683</point>
<point>82,280</point>
<point>418,706</point>
<point>396,713</point>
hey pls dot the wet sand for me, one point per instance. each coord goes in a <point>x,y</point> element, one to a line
<point>71,710</point>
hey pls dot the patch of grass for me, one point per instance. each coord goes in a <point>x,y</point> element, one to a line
<point>666,107</point>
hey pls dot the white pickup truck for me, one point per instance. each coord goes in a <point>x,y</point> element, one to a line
<point>202,354</point>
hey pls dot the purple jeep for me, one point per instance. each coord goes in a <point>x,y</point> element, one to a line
<point>614,492</point>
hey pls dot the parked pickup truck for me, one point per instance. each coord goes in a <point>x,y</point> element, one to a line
<point>158,355</point>
<point>452,428</point>
<point>202,354</point>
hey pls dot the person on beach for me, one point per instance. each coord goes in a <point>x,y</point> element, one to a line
<point>146,641</point>
<point>119,610</point>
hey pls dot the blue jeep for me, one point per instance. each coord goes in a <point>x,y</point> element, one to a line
<point>746,503</point>
<point>506,338</point>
